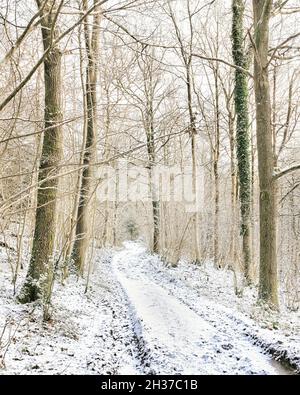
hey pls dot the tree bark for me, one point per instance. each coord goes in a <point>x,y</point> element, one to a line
<point>154,197</point>
<point>149,124</point>
<point>233,250</point>
<point>73,221</point>
<point>242,132</point>
<point>268,281</point>
<point>40,268</point>
<point>83,218</point>
<point>216,157</point>
<point>193,133</point>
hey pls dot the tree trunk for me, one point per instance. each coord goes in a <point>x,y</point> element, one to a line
<point>216,156</point>
<point>83,213</point>
<point>242,132</point>
<point>233,250</point>
<point>193,132</point>
<point>73,221</point>
<point>154,197</point>
<point>40,269</point>
<point>149,125</point>
<point>107,153</point>
<point>268,282</point>
<point>253,211</point>
<point>155,209</point>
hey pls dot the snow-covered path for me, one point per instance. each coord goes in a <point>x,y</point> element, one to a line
<point>140,317</point>
<point>178,337</point>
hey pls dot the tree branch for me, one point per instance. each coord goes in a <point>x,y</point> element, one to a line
<point>289,192</point>
<point>274,50</point>
<point>175,47</point>
<point>224,62</point>
<point>42,58</point>
<point>286,171</point>
<point>28,28</point>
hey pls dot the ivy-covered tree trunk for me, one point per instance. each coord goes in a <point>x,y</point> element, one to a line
<point>242,131</point>
<point>40,269</point>
<point>82,237</point>
<point>268,281</point>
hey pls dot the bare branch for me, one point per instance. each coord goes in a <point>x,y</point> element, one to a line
<point>211,59</point>
<point>286,172</point>
<point>42,58</point>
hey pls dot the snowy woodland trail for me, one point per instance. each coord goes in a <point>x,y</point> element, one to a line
<point>179,337</point>
<point>139,316</point>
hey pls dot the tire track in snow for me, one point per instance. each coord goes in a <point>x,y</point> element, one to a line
<point>284,361</point>
<point>277,358</point>
<point>182,339</point>
<point>142,352</point>
<point>125,356</point>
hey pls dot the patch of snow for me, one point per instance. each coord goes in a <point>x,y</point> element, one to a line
<point>90,333</point>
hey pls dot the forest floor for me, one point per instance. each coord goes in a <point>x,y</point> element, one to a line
<point>140,317</point>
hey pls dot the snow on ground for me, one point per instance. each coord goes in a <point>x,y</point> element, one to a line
<point>140,317</point>
<point>195,330</point>
<point>89,333</point>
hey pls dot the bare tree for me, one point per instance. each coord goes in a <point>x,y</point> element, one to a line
<point>268,280</point>
<point>40,268</point>
<point>83,220</point>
